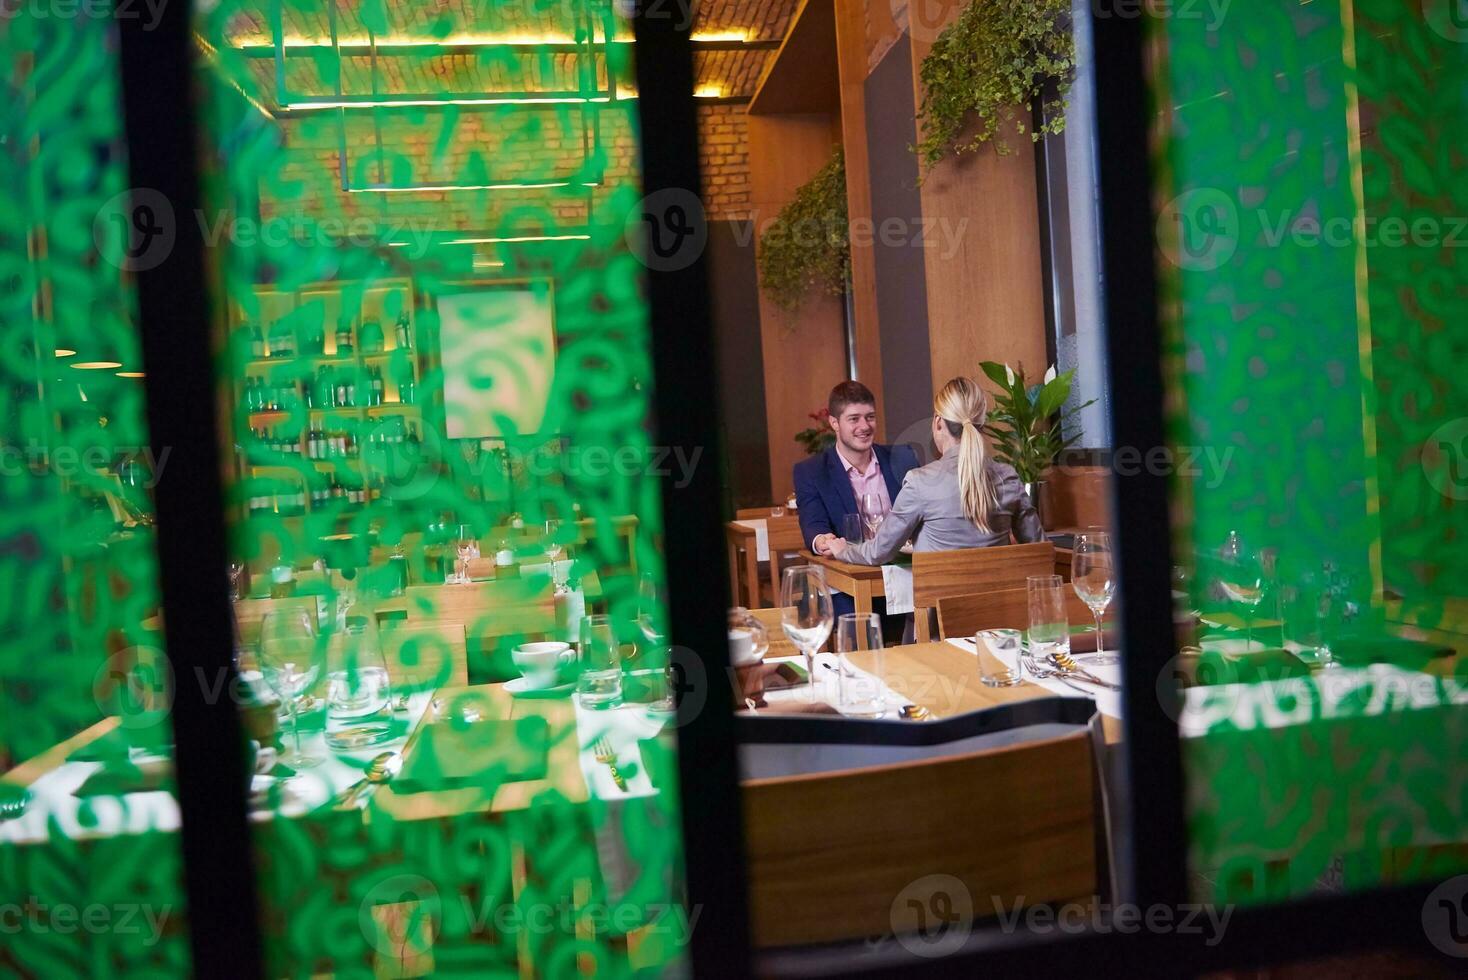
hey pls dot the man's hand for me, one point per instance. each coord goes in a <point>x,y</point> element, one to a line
<point>831,545</point>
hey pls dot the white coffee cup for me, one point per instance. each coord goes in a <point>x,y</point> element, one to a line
<point>540,663</point>
<point>741,648</point>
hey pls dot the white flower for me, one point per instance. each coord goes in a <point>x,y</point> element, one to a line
<point>1050,374</point>
<point>1009,374</point>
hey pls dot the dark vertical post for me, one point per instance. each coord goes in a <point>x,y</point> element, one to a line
<point>687,413</point>
<point>1140,504</point>
<point>159,112</point>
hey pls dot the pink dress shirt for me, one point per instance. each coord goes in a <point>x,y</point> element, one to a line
<point>869,480</point>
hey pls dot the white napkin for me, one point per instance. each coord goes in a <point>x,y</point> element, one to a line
<point>761,538</point>
<point>1108,702</point>
<point>897,587</point>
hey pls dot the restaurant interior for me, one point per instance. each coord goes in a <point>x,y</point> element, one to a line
<point>793,487</point>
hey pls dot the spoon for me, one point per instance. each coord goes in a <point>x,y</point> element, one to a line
<point>379,772</point>
<point>1068,664</point>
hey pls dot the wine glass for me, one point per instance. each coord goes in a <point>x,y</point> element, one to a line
<point>872,512</point>
<point>554,548</point>
<point>466,547</point>
<point>805,611</point>
<point>1241,576</point>
<point>1093,576</point>
<point>291,656</point>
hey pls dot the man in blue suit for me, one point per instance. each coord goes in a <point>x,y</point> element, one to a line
<point>827,484</point>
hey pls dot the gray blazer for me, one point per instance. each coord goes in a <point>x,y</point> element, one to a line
<point>929,504</point>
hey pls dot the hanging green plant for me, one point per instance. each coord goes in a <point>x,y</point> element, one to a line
<point>992,62</point>
<point>807,244</point>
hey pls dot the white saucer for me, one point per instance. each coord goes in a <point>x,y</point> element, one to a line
<point>521,688</point>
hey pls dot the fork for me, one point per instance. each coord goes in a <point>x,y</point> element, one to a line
<point>1043,673</point>
<point>1068,664</point>
<point>607,756</point>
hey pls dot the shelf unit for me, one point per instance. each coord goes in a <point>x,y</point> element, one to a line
<point>318,418</point>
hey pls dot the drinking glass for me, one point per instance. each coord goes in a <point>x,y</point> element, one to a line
<point>358,692</point>
<point>777,511</point>
<point>1007,649</point>
<point>860,691</point>
<point>291,658</point>
<point>805,611</point>
<point>1241,576</point>
<point>853,528</point>
<point>872,512</point>
<point>599,683</point>
<point>1093,576</point>
<point>1304,606</point>
<point>650,613</point>
<point>1049,626</point>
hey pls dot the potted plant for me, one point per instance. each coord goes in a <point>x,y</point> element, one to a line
<point>1028,421</point>
<point>986,72</point>
<point>818,436</point>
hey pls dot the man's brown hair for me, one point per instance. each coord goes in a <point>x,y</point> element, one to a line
<point>849,393</point>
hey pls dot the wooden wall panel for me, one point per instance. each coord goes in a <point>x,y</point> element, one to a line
<point>804,352</point>
<point>852,66</point>
<point>985,299</point>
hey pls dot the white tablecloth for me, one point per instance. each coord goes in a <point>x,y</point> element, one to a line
<point>761,538</point>
<point>1108,702</point>
<point>827,686</point>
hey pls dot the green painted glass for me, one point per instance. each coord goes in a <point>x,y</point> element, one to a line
<point>1307,200</point>
<point>432,342</point>
<point>90,880</point>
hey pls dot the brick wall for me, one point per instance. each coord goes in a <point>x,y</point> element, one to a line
<point>480,148</point>
<point>723,152</point>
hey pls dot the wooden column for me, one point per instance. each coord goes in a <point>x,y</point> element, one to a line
<point>851,57</point>
<point>804,352</point>
<point>985,299</point>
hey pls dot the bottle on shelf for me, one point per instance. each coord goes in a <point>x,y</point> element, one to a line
<point>403,331</point>
<point>282,339</point>
<point>343,336</point>
<point>370,337</point>
<point>257,341</point>
<point>375,398</point>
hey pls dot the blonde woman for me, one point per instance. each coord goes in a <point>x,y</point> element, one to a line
<point>963,499</point>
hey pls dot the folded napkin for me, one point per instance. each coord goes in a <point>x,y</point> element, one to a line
<point>756,679</point>
<point>897,587</point>
<point>798,708</point>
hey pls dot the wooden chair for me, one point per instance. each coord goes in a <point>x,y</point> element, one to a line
<point>936,574</point>
<point>1000,609</point>
<point>426,656</point>
<point>785,539</point>
<point>864,835</point>
<point>495,616</point>
<point>249,613</point>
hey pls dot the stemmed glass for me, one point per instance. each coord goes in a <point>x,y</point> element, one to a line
<point>805,611</point>
<point>291,657</point>
<point>1093,576</point>
<point>554,548</point>
<point>872,512</point>
<point>1242,580</point>
<point>466,547</point>
<point>650,606</point>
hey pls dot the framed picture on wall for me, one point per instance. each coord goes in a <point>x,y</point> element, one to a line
<point>497,342</point>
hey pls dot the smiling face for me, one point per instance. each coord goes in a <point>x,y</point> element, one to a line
<point>856,427</point>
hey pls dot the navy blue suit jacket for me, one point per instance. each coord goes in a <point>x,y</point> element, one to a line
<point>823,490</point>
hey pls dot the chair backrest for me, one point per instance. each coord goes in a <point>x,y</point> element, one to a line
<point>828,853</point>
<point>780,645</point>
<point>495,616</point>
<point>426,656</point>
<point>999,609</point>
<point>964,571</point>
<point>249,613</point>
